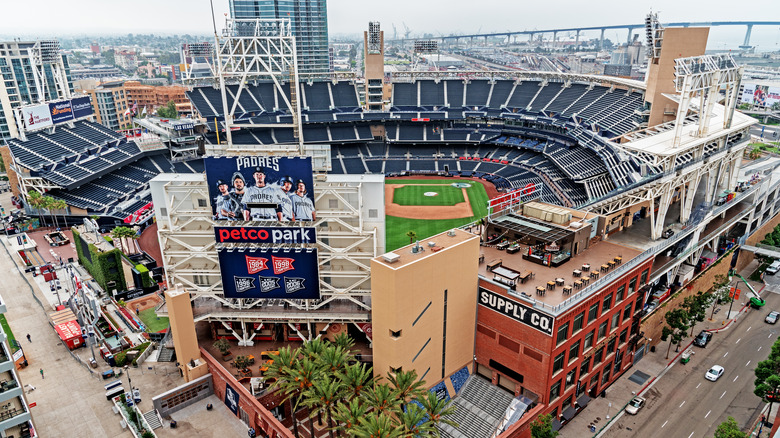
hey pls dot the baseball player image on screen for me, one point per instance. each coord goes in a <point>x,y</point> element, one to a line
<point>262,193</point>
<point>303,207</point>
<point>228,205</point>
<point>287,206</point>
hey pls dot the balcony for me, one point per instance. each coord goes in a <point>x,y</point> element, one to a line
<point>13,412</point>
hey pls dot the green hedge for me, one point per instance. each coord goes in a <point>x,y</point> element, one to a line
<point>102,264</point>
<point>146,278</point>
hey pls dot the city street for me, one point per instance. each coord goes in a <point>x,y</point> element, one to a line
<point>684,404</point>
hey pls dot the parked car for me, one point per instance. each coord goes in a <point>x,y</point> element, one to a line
<point>773,268</point>
<point>635,405</point>
<point>702,339</point>
<point>714,373</point>
<point>667,233</point>
<point>772,317</point>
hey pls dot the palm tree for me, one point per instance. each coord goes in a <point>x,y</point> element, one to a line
<point>282,372</point>
<point>48,204</point>
<point>349,414</point>
<point>344,341</point>
<point>378,425</point>
<point>35,200</point>
<point>438,410</point>
<point>323,395</point>
<point>382,399</point>
<point>411,235</point>
<point>406,384</point>
<point>414,422</point>
<point>356,378</point>
<point>60,204</point>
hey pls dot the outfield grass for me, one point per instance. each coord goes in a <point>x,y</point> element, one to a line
<point>397,227</point>
<point>414,195</point>
<point>151,321</point>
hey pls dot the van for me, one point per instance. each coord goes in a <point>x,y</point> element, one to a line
<point>773,268</point>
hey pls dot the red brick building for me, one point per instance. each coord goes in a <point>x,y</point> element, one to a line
<point>555,356</point>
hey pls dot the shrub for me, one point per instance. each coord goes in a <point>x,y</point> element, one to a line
<point>147,434</point>
<point>121,359</point>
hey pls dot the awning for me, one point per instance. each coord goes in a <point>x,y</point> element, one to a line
<point>556,425</point>
<point>583,400</point>
<point>568,413</point>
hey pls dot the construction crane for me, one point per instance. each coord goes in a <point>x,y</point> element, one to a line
<point>395,32</point>
<point>407,31</point>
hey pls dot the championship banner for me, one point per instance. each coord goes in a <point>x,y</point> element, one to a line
<point>82,107</point>
<point>260,188</point>
<point>61,112</point>
<point>266,235</point>
<point>267,273</point>
<point>231,399</point>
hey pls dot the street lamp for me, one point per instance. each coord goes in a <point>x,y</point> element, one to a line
<point>132,397</point>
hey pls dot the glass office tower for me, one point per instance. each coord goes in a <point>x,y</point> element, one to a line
<point>309,24</point>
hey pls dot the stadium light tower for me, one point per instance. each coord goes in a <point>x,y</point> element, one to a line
<point>252,49</point>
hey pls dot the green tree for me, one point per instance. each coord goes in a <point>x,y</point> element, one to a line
<point>542,427</point>
<point>36,201</point>
<point>767,373</point>
<point>676,328</point>
<point>696,306</point>
<point>411,235</point>
<point>720,292</point>
<point>168,111</point>
<point>109,57</point>
<point>729,429</point>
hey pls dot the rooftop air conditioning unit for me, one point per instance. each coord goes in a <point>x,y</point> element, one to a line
<point>431,244</point>
<point>391,257</point>
<point>576,225</point>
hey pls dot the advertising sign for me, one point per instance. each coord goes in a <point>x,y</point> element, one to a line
<point>36,117</point>
<point>231,399</point>
<point>515,310</point>
<point>61,112</point>
<point>270,273</point>
<point>183,126</point>
<point>761,95</point>
<point>266,235</point>
<point>260,188</point>
<point>528,193</point>
<point>82,107</point>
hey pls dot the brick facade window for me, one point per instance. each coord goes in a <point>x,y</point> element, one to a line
<point>563,334</point>
<point>558,362</point>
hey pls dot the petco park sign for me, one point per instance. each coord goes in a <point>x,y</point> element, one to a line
<point>274,235</point>
<point>516,311</point>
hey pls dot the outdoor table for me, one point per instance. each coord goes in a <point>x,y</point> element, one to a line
<point>577,273</point>
<point>586,267</point>
<point>559,281</point>
<point>551,285</point>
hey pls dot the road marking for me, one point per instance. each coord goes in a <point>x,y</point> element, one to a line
<point>748,329</point>
<point>681,404</point>
<point>727,353</point>
<point>770,335</point>
<point>697,386</point>
<point>664,423</point>
<point>738,340</point>
<point>708,414</point>
<point>735,379</point>
<point>759,348</point>
<point>689,436</point>
<point>747,363</point>
<point>724,393</point>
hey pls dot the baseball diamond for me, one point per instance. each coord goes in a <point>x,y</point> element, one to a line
<point>408,209</point>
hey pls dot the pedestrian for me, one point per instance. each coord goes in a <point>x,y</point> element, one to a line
<point>42,374</point>
<point>136,310</point>
<point>29,339</point>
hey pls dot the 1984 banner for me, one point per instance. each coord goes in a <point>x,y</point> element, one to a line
<point>267,273</point>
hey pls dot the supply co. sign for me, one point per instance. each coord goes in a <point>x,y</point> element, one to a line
<point>516,311</point>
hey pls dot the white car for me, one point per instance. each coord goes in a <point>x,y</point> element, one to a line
<point>714,373</point>
<point>635,405</point>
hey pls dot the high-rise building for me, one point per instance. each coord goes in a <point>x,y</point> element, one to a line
<point>110,104</point>
<point>30,72</point>
<point>309,20</point>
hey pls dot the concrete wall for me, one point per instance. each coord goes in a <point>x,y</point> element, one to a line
<point>182,396</point>
<point>653,324</point>
<point>259,417</point>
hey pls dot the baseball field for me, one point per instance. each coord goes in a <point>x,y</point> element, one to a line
<point>430,206</point>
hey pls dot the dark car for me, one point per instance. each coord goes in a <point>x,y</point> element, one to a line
<point>702,339</point>
<point>667,233</point>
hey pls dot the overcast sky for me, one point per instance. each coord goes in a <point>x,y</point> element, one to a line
<point>94,17</point>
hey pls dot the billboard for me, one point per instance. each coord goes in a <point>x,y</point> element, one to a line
<point>261,188</point>
<point>61,112</point>
<point>517,311</point>
<point>82,107</point>
<point>270,273</point>
<point>36,117</point>
<point>231,399</point>
<point>266,235</point>
<point>761,95</point>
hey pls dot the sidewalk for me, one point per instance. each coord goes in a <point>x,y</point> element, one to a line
<point>651,367</point>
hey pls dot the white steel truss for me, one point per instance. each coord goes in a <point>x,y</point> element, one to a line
<point>251,49</point>
<point>47,52</point>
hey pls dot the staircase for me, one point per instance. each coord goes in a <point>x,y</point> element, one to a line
<point>152,419</point>
<point>479,408</point>
<point>166,355</point>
